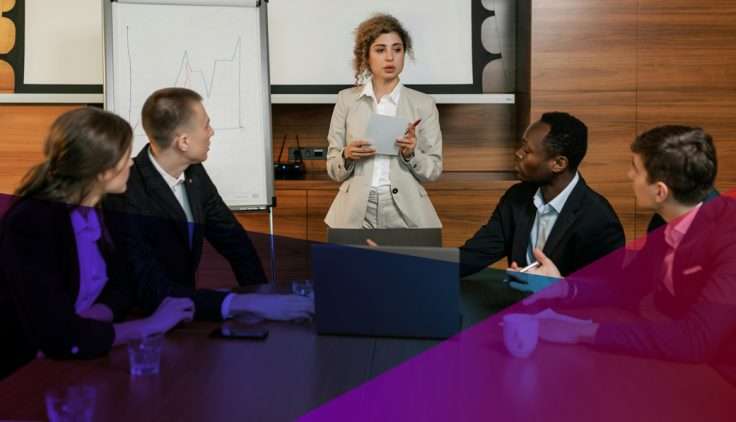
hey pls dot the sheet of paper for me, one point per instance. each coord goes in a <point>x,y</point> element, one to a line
<point>383,131</point>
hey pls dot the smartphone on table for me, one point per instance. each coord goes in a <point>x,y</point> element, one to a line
<point>239,333</point>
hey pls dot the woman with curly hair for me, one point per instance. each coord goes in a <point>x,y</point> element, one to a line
<point>383,191</point>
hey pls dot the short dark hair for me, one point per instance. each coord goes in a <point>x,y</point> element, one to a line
<point>567,136</point>
<point>165,111</point>
<point>682,157</point>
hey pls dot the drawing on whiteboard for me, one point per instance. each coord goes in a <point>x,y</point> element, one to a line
<point>220,90</point>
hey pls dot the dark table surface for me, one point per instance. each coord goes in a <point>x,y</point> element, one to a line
<point>295,371</point>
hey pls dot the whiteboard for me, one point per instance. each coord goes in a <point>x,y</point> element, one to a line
<point>221,52</point>
<point>314,41</point>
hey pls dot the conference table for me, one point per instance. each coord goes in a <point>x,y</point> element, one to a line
<point>295,371</point>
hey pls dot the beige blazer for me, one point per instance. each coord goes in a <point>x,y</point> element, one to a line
<point>349,122</point>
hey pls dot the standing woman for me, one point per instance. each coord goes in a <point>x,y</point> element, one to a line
<point>57,290</point>
<point>380,191</point>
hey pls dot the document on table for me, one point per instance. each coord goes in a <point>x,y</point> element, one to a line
<point>383,131</point>
<point>550,314</point>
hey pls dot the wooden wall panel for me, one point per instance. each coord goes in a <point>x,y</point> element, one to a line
<point>290,216</point>
<point>478,137</point>
<point>318,202</point>
<point>687,74</point>
<point>622,199</point>
<point>583,45</point>
<point>23,130</point>
<point>713,110</point>
<point>463,212</point>
<point>626,66</point>
<point>687,70</point>
<point>686,45</point>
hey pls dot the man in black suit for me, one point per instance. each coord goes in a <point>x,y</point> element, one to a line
<point>682,282</point>
<point>171,206</point>
<point>552,209</point>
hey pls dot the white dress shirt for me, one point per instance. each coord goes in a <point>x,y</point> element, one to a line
<point>177,187</point>
<point>546,217</point>
<point>387,106</point>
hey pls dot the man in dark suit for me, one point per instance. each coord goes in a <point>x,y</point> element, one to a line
<point>171,206</point>
<point>552,209</point>
<point>683,281</point>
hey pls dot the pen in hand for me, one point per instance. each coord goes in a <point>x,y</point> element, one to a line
<point>413,125</point>
<point>529,267</point>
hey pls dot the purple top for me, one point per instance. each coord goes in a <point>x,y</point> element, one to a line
<point>92,268</point>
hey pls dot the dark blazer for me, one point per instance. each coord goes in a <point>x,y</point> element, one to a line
<point>154,236</point>
<point>39,284</point>
<point>586,230</point>
<point>702,327</point>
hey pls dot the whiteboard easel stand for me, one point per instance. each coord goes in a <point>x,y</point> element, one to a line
<point>272,242</point>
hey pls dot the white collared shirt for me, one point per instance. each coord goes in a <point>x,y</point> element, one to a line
<point>387,106</point>
<point>546,217</point>
<point>180,192</point>
<point>177,187</point>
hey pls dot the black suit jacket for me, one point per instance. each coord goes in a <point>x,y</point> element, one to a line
<point>39,285</point>
<point>702,327</point>
<point>154,235</point>
<point>586,230</point>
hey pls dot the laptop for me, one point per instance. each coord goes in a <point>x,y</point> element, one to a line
<point>386,291</point>
<point>386,237</point>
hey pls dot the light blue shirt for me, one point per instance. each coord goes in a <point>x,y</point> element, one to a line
<point>546,217</point>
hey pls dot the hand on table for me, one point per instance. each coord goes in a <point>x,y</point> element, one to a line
<point>171,312</point>
<point>273,306</point>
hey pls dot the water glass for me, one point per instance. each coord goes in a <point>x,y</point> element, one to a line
<point>302,288</point>
<point>145,354</point>
<point>520,334</point>
<point>71,404</point>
